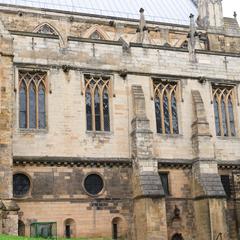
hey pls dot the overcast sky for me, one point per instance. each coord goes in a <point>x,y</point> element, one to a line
<point>229,6</point>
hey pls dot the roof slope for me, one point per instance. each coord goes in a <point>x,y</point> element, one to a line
<point>168,11</point>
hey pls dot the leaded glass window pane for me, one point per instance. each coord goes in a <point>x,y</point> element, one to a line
<point>217,121</point>
<point>158,115</point>
<point>41,107</point>
<point>106,111</point>
<point>97,111</point>
<point>224,110</point>
<point>32,100</point>
<point>97,92</point>
<point>23,106</point>
<point>32,106</point>
<point>231,117</point>
<point>174,115</point>
<point>166,107</point>
<point>89,110</point>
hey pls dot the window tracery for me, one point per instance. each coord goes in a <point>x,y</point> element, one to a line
<point>223,102</point>
<point>96,35</point>
<point>165,99</point>
<point>46,29</point>
<point>32,100</point>
<point>97,93</point>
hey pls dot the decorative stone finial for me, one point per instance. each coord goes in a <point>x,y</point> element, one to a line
<point>142,28</point>
<point>235,14</point>
<point>192,38</point>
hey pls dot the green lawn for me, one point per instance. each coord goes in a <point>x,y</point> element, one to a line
<point>4,237</point>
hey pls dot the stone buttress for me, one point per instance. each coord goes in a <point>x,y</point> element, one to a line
<point>208,193</point>
<point>149,210</point>
<point>8,208</point>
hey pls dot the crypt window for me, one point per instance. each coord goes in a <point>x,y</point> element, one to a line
<point>32,100</point>
<point>165,183</point>
<point>21,185</point>
<point>223,102</point>
<point>165,100</point>
<point>93,184</point>
<point>225,179</point>
<point>97,94</point>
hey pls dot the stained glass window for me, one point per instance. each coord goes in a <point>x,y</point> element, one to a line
<point>93,184</point>
<point>224,111</point>
<point>32,100</point>
<point>97,102</point>
<point>166,107</point>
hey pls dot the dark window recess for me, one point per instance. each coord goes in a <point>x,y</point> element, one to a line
<point>21,185</point>
<point>68,231</point>
<point>164,180</point>
<point>115,231</point>
<point>93,184</point>
<point>226,184</point>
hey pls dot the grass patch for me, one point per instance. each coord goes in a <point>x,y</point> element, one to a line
<point>6,237</point>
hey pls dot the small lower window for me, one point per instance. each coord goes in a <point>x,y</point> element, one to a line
<point>226,184</point>
<point>93,184</point>
<point>21,185</point>
<point>165,184</point>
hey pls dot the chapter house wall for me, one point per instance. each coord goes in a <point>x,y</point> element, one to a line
<point>66,116</point>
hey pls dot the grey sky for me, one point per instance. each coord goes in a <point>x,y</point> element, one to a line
<point>229,6</point>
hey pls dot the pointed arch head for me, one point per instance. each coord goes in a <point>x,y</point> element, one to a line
<point>46,28</point>
<point>96,32</point>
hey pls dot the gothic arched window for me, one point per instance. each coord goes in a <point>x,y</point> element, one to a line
<point>223,98</point>
<point>97,92</point>
<point>165,100</point>
<point>32,100</point>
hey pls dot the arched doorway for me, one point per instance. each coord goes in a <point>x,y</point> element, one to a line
<point>177,236</point>
<point>119,228</point>
<point>21,228</point>
<point>70,228</point>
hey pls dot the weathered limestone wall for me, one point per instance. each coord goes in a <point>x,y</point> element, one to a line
<point>57,193</point>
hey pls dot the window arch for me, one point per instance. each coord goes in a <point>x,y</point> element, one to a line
<point>96,35</point>
<point>32,100</point>
<point>70,228</point>
<point>46,28</point>
<point>165,99</point>
<point>177,236</point>
<point>184,44</point>
<point>96,32</point>
<point>97,93</point>
<point>223,99</point>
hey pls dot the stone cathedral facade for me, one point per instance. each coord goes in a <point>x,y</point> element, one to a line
<point>117,128</point>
